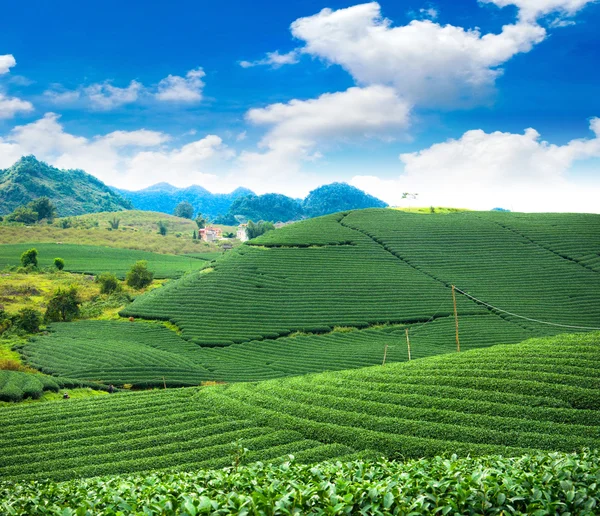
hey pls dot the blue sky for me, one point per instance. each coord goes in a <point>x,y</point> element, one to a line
<point>432,98</point>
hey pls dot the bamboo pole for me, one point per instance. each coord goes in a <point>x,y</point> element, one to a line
<point>407,342</point>
<point>456,320</point>
<point>384,354</point>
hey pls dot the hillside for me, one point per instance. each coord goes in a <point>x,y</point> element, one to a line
<point>542,394</point>
<point>372,267</point>
<point>164,197</point>
<point>324,200</point>
<point>73,192</point>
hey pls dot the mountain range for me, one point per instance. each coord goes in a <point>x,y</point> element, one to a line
<point>74,192</point>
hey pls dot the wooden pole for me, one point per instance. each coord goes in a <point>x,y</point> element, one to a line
<point>384,354</point>
<point>164,382</point>
<point>456,320</point>
<point>407,343</point>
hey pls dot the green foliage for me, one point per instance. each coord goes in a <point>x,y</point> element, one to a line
<point>24,215</point>
<point>29,258</point>
<point>271,207</point>
<point>200,221</point>
<point>27,320</point>
<point>338,197</point>
<point>64,305</point>
<point>91,259</point>
<point>184,210</point>
<point>139,276</point>
<point>254,230</point>
<point>386,266</point>
<point>114,223</point>
<point>544,483</point>
<point>162,227</point>
<point>59,263</point>
<point>109,283</point>
<point>72,192</point>
<point>65,223</point>
<point>539,395</point>
<point>43,207</point>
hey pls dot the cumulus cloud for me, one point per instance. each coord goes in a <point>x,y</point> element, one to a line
<point>483,170</point>
<point>297,127</point>
<point>6,63</point>
<point>531,10</point>
<point>130,159</point>
<point>105,96</point>
<point>182,89</point>
<point>427,63</point>
<point>274,59</point>
<point>10,106</point>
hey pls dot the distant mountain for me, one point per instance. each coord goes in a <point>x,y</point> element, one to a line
<point>338,197</point>
<point>165,197</point>
<point>281,208</point>
<point>73,192</point>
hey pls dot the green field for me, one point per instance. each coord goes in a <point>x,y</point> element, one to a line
<point>542,394</point>
<point>530,484</point>
<point>94,260</point>
<point>385,266</point>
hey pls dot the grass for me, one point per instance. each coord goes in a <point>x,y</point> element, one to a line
<point>138,230</point>
<point>540,395</point>
<point>430,210</point>
<point>87,259</point>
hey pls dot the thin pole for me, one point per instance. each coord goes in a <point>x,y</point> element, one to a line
<point>456,320</point>
<point>164,382</point>
<point>384,354</point>
<point>407,342</point>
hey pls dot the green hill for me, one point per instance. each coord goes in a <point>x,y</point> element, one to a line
<point>542,394</point>
<point>73,192</point>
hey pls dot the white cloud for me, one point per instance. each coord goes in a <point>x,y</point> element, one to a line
<point>182,89</point>
<point>10,106</point>
<point>485,170</point>
<point>130,159</point>
<point>424,61</point>
<point>274,59</point>
<point>106,96</point>
<point>531,10</point>
<point>6,63</point>
<point>429,12</point>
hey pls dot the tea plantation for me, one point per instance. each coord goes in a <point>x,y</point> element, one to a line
<point>385,266</point>
<point>89,259</point>
<point>542,394</point>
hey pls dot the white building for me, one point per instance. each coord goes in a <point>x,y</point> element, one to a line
<point>242,232</point>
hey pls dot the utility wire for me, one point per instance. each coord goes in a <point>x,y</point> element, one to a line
<point>522,316</point>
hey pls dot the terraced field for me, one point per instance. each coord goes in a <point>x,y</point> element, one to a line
<point>151,355</point>
<point>385,266</point>
<point>90,259</point>
<point>543,394</point>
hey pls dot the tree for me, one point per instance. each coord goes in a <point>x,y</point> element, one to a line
<point>200,221</point>
<point>256,229</point>
<point>184,209</point>
<point>28,320</point>
<point>139,276</point>
<point>59,263</point>
<point>64,305</point>
<point>162,227</point>
<point>108,283</point>
<point>23,215</point>
<point>114,223</point>
<point>29,258</point>
<point>194,235</point>
<point>43,207</point>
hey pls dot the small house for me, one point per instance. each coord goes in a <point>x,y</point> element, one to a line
<point>210,234</point>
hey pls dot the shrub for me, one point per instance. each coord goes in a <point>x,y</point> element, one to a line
<point>24,215</point>
<point>43,207</point>
<point>108,283</point>
<point>184,209</point>
<point>29,258</point>
<point>114,223</point>
<point>27,320</point>
<point>66,223</point>
<point>200,221</point>
<point>162,227</point>
<point>59,263</point>
<point>139,276</point>
<point>64,305</point>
